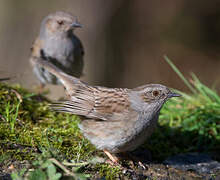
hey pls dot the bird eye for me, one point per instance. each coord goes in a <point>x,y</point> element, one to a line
<point>155,93</point>
<point>60,22</point>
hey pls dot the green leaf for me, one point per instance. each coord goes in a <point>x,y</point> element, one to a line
<point>51,170</point>
<point>37,175</point>
<point>51,173</point>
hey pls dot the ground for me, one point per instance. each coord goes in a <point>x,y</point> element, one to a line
<point>36,142</point>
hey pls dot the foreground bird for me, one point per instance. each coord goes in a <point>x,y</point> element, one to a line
<point>57,43</point>
<point>115,120</point>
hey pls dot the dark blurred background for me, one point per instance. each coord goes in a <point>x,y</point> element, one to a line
<point>124,40</point>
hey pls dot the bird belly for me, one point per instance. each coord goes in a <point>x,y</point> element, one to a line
<point>116,136</point>
<point>139,137</point>
<point>60,50</point>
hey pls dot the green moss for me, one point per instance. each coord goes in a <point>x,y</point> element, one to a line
<point>36,129</point>
<point>37,126</point>
<point>107,171</point>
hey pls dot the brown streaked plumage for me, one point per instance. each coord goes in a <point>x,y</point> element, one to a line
<point>114,119</point>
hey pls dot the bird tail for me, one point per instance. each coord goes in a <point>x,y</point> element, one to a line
<point>81,95</point>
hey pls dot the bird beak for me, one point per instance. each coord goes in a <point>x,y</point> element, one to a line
<point>75,25</point>
<point>172,94</point>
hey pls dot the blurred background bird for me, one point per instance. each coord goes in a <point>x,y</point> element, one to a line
<point>57,43</point>
<point>124,41</point>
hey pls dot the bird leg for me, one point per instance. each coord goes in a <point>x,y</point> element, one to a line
<point>41,88</point>
<point>114,159</point>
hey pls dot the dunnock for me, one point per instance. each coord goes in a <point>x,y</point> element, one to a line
<point>115,119</point>
<point>57,43</point>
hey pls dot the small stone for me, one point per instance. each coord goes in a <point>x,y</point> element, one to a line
<point>198,162</point>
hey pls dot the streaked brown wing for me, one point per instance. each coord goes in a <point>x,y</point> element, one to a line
<point>97,102</point>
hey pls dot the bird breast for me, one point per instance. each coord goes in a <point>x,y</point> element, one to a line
<point>59,48</point>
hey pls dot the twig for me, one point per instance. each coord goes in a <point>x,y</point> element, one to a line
<point>17,94</point>
<point>75,164</point>
<point>2,117</point>
<point>53,160</point>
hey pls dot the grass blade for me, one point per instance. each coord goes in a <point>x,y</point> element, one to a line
<point>179,74</point>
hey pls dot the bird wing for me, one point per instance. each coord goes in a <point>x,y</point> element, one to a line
<point>36,47</point>
<point>97,102</point>
<point>77,62</point>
